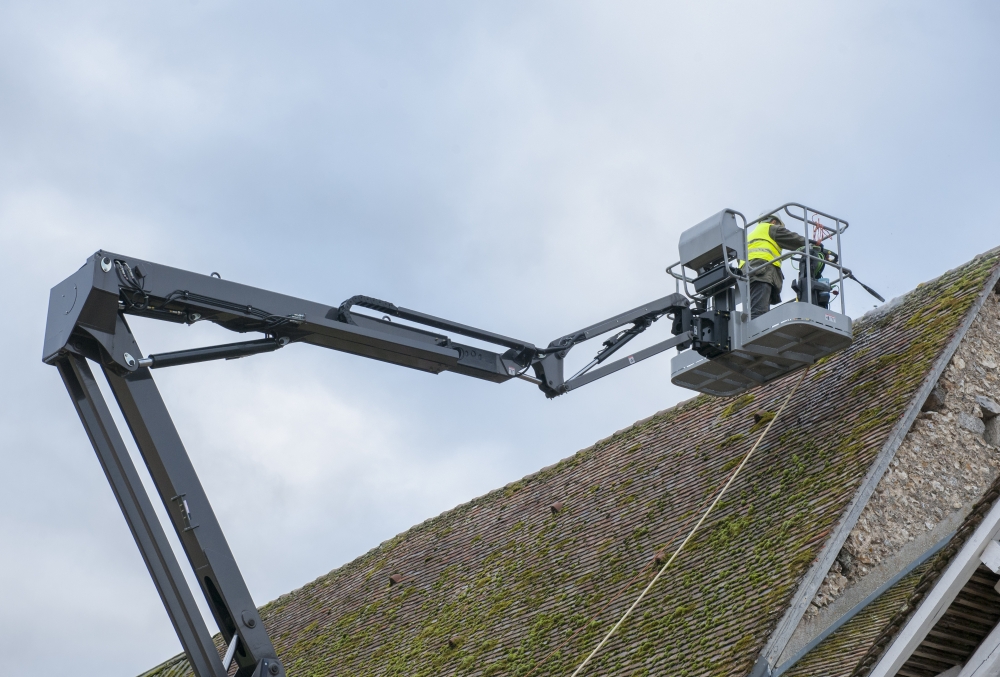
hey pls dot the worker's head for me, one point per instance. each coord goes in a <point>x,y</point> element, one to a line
<point>771,218</point>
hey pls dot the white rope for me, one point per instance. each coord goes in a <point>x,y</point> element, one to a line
<point>693,531</point>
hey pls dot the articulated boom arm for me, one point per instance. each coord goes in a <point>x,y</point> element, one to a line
<point>89,302</point>
<point>87,321</point>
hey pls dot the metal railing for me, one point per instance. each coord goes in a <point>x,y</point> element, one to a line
<point>809,217</point>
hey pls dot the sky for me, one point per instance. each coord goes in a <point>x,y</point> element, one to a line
<point>522,167</point>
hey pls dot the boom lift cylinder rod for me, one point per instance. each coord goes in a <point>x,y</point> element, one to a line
<point>228,351</point>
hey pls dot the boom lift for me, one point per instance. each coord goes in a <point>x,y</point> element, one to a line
<point>731,351</point>
<point>721,351</point>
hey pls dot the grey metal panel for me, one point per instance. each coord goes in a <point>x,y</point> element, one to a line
<point>77,301</point>
<point>702,243</point>
<point>786,338</point>
<point>794,312</point>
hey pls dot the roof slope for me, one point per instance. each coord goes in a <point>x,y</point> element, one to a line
<point>838,654</point>
<point>493,585</point>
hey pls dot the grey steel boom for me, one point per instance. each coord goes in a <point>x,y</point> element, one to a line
<point>87,323</point>
<point>723,350</point>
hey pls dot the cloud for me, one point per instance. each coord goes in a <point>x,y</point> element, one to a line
<point>523,168</point>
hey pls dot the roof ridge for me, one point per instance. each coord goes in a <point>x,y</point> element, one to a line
<point>895,301</point>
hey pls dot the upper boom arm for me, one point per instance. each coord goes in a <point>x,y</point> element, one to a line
<point>89,301</point>
<point>87,304</point>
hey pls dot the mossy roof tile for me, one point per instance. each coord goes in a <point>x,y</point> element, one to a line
<point>511,580</point>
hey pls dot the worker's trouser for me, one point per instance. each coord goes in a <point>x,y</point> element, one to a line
<point>760,297</point>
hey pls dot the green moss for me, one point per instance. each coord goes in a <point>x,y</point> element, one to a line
<point>731,440</point>
<point>731,463</point>
<point>738,404</point>
<point>513,488</point>
<point>761,419</point>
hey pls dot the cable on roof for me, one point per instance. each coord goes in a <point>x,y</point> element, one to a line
<point>628,584</point>
<point>690,535</point>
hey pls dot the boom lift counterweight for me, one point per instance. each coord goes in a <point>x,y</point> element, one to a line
<point>721,350</point>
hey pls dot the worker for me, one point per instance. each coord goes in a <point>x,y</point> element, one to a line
<point>765,240</point>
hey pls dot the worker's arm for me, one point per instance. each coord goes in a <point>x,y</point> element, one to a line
<point>785,238</point>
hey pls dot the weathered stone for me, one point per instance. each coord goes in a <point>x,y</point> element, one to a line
<point>971,423</point>
<point>989,407</point>
<point>935,401</point>
<point>935,472</point>
<point>992,432</point>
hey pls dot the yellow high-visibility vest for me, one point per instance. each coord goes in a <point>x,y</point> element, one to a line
<point>761,246</point>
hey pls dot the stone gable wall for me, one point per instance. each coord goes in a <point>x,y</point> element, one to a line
<point>945,463</point>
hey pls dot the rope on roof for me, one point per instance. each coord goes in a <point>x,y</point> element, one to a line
<point>690,535</point>
<point>658,557</point>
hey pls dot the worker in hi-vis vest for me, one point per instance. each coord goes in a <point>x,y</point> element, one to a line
<point>765,240</point>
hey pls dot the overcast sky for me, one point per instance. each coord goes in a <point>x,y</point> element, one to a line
<point>524,167</point>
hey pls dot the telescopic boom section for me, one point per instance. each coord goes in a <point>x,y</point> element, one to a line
<point>87,322</point>
<point>85,307</point>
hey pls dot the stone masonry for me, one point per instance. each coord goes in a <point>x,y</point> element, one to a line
<point>947,459</point>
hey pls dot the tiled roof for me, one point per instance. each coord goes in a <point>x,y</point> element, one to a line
<point>838,654</point>
<point>490,587</point>
<point>175,667</point>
